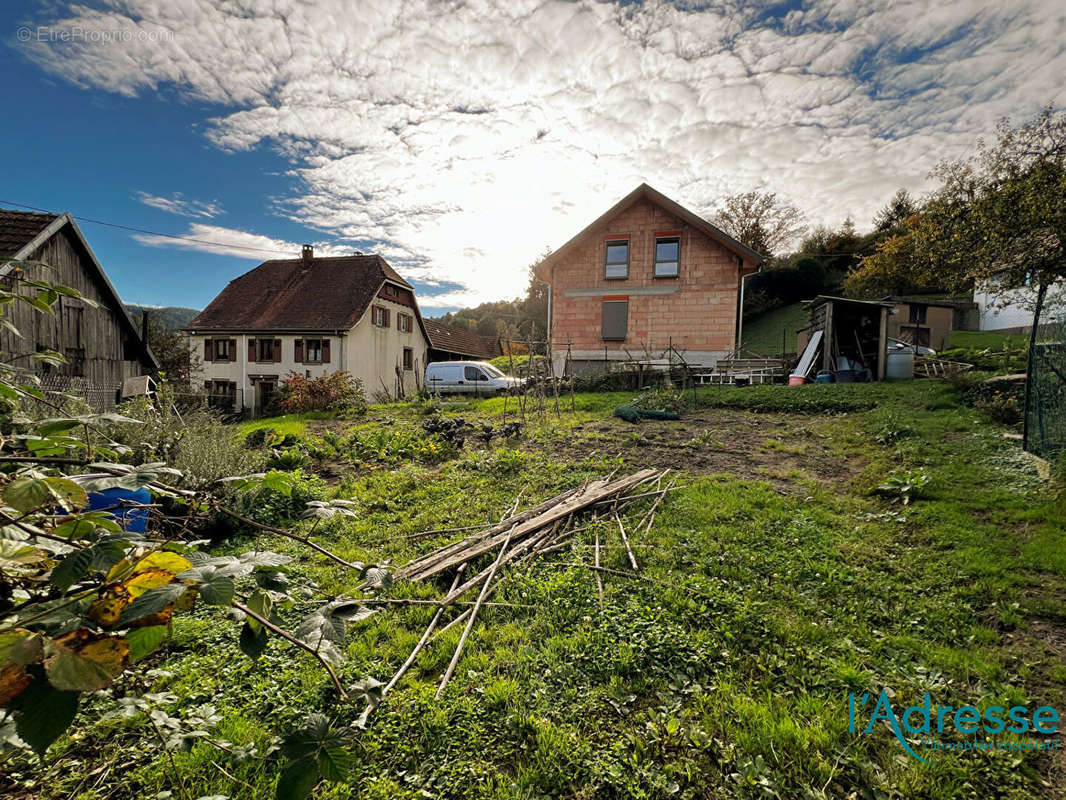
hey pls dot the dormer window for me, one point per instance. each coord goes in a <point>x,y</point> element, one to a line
<point>667,256</point>
<point>616,265</point>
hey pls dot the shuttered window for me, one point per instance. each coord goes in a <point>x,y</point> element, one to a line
<point>408,358</point>
<point>380,316</point>
<point>615,320</point>
<point>405,322</point>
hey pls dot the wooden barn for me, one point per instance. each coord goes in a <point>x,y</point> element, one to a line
<point>102,344</point>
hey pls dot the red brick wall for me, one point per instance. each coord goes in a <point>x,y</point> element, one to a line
<point>700,317</point>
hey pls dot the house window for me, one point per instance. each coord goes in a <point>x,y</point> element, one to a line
<point>404,323</point>
<point>667,256</point>
<point>312,351</point>
<point>222,394</point>
<point>391,290</point>
<point>615,320</point>
<point>222,352</point>
<point>408,358</point>
<point>266,350</point>
<point>918,314</point>
<point>616,266</point>
<point>380,316</point>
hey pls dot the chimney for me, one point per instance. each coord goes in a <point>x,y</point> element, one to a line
<point>308,254</point>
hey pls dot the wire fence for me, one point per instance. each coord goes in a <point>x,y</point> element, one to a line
<point>1045,398</point>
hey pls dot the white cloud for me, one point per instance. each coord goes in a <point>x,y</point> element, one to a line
<point>464,137</point>
<point>177,204</point>
<point>204,238</point>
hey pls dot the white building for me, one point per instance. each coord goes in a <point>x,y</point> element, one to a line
<point>310,316</point>
<point>1012,311</point>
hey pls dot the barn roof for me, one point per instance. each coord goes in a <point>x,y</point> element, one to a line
<point>329,293</point>
<point>658,198</point>
<point>461,341</point>
<point>19,228</point>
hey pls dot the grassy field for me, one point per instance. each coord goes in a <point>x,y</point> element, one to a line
<point>776,580</point>
<point>979,340</point>
<point>764,335</point>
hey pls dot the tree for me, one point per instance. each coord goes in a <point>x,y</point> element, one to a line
<point>177,361</point>
<point>998,219</point>
<point>899,208</point>
<point>761,221</point>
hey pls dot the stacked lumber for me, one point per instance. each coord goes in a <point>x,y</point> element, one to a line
<point>931,367</point>
<point>520,538</point>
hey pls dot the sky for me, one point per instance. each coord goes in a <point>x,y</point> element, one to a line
<point>460,139</point>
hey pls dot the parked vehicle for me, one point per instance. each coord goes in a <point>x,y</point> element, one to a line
<point>478,378</point>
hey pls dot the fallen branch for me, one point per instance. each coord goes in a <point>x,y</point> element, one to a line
<point>290,638</point>
<point>421,642</point>
<point>473,616</point>
<point>288,534</point>
<point>625,541</point>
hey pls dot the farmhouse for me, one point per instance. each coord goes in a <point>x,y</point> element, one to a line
<point>311,316</point>
<point>645,277</point>
<point>102,345</point>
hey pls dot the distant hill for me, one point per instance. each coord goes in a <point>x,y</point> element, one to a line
<point>170,317</point>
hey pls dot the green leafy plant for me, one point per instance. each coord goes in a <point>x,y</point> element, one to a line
<point>905,487</point>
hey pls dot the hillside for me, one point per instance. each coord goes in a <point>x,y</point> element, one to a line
<point>765,334</point>
<point>170,317</point>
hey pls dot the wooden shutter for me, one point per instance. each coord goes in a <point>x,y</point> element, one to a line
<point>232,349</point>
<point>209,350</point>
<point>277,350</point>
<point>325,351</point>
<point>615,319</point>
<point>298,353</point>
<point>251,350</point>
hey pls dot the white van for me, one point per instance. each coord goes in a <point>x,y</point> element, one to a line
<point>478,378</point>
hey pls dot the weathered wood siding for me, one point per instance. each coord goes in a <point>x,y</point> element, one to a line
<point>111,351</point>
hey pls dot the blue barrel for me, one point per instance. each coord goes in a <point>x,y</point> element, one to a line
<point>134,520</point>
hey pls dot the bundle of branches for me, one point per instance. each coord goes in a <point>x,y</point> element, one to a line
<point>520,538</point>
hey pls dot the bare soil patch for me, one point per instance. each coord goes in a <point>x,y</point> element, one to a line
<point>785,450</point>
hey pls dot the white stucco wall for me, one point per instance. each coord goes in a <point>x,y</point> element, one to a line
<point>372,353</point>
<point>1014,309</point>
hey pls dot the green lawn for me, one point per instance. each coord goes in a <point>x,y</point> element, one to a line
<point>980,340</point>
<point>765,335</point>
<point>779,581</point>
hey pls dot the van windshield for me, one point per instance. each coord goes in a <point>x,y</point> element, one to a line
<point>492,371</point>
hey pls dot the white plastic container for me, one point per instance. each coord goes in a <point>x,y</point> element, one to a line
<point>900,364</point>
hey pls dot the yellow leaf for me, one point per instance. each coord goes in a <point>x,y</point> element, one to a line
<point>168,562</point>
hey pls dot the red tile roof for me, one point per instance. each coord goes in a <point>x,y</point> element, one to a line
<point>17,229</point>
<point>460,341</point>
<point>291,294</point>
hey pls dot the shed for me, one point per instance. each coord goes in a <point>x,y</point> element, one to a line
<point>852,332</point>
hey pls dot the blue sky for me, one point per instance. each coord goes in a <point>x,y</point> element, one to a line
<point>460,140</point>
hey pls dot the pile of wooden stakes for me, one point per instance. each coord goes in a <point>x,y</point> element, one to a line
<point>522,537</point>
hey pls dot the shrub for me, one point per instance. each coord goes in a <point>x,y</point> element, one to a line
<point>664,399</point>
<point>337,391</point>
<point>1000,407</point>
<point>195,442</point>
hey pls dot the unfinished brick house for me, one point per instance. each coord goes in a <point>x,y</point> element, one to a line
<point>646,276</point>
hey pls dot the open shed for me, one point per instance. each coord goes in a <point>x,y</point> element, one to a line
<point>844,334</point>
